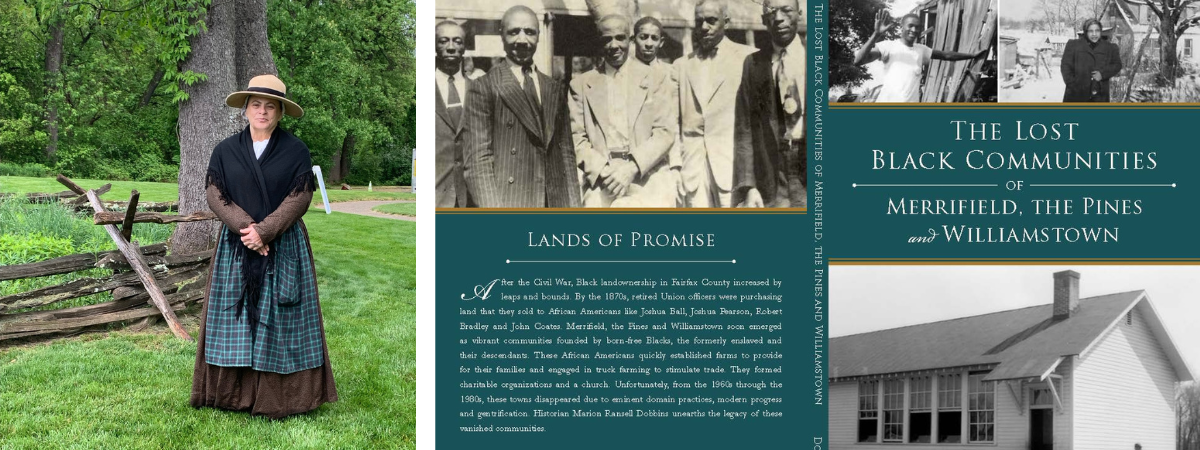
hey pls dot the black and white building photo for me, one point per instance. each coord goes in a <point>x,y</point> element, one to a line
<point>1011,357</point>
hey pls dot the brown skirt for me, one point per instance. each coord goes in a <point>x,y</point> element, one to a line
<point>261,393</point>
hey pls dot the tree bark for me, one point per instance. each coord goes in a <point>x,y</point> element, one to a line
<point>157,78</point>
<point>342,158</point>
<point>1167,43</point>
<point>254,56</point>
<point>233,50</point>
<point>54,58</point>
<point>204,121</point>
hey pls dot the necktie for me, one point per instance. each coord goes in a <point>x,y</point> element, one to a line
<point>531,93</point>
<point>781,91</point>
<point>454,103</point>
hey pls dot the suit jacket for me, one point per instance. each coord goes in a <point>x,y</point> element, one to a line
<point>1079,60</point>
<point>759,160</point>
<point>510,159</point>
<point>451,186</point>
<point>651,118</point>
<point>707,115</point>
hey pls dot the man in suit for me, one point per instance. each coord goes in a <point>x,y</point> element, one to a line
<point>708,84</point>
<point>452,86</point>
<point>770,164</point>
<point>623,125</point>
<point>518,151</point>
<point>648,38</point>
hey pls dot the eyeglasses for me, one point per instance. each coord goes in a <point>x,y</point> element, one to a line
<point>619,38</point>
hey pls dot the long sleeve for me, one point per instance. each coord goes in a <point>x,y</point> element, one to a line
<point>1068,63</point>
<point>1114,62</point>
<point>478,158</point>
<point>590,160</point>
<point>567,152</point>
<point>288,213</point>
<point>743,141</point>
<point>664,114</point>
<point>231,214</point>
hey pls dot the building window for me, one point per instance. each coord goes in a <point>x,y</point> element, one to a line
<point>982,408</point>
<point>1187,48</point>
<point>893,411</point>
<point>949,407</point>
<point>868,411</point>
<point>1129,318</point>
<point>920,411</point>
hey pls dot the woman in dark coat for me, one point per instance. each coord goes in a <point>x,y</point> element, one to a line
<point>1088,64</point>
<point>262,342</point>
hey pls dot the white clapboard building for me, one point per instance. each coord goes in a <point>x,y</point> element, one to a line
<point>1094,373</point>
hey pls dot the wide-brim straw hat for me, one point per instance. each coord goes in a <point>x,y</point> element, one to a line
<point>268,86</point>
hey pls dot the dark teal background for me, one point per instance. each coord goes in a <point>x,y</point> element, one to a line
<point>472,250</point>
<point>859,227</point>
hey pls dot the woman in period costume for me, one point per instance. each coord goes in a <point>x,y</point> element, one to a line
<point>262,342</point>
<point>1088,64</point>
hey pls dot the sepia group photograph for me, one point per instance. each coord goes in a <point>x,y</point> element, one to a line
<point>620,104</point>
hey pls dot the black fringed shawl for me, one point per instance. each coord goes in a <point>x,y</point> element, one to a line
<point>258,186</point>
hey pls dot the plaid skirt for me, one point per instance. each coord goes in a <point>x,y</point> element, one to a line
<point>287,337</point>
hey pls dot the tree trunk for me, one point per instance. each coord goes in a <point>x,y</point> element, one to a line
<point>54,58</point>
<point>254,56</point>
<point>234,50</point>
<point>204,121</point>
<point>154,81</point>
<point>1167,41</point>
<point>343,162</point>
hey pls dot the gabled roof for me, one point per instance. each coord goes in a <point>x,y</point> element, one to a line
<point>1019,343</point>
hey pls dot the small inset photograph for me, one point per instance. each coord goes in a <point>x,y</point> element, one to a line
<point>1099,51</point>
<point>913,51</point>
<point>1014,357</point>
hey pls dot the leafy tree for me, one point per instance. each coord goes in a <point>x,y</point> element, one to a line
<point>351,66</point>
<point>849,28</point>
<point>1174,18</point>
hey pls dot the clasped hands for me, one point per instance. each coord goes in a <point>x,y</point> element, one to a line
<point>616,176</point>
<point>253,241</point>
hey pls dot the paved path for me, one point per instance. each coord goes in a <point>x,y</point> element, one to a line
<point>363,208</point>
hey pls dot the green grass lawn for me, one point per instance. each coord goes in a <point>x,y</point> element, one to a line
<point>150,191</point>
<point>403,209</point>
<point>357,194</point>
<point>169,192</point>
<point>130,390</point>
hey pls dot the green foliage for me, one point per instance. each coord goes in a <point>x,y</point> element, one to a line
<point>27,248</point>
<point>24,170</point>
<point>31,233</point>
<point>370,48</point>
<point>848,30</point>
<point>350,63</point>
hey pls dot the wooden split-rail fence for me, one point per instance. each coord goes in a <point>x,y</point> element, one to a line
<point>145,282</point>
